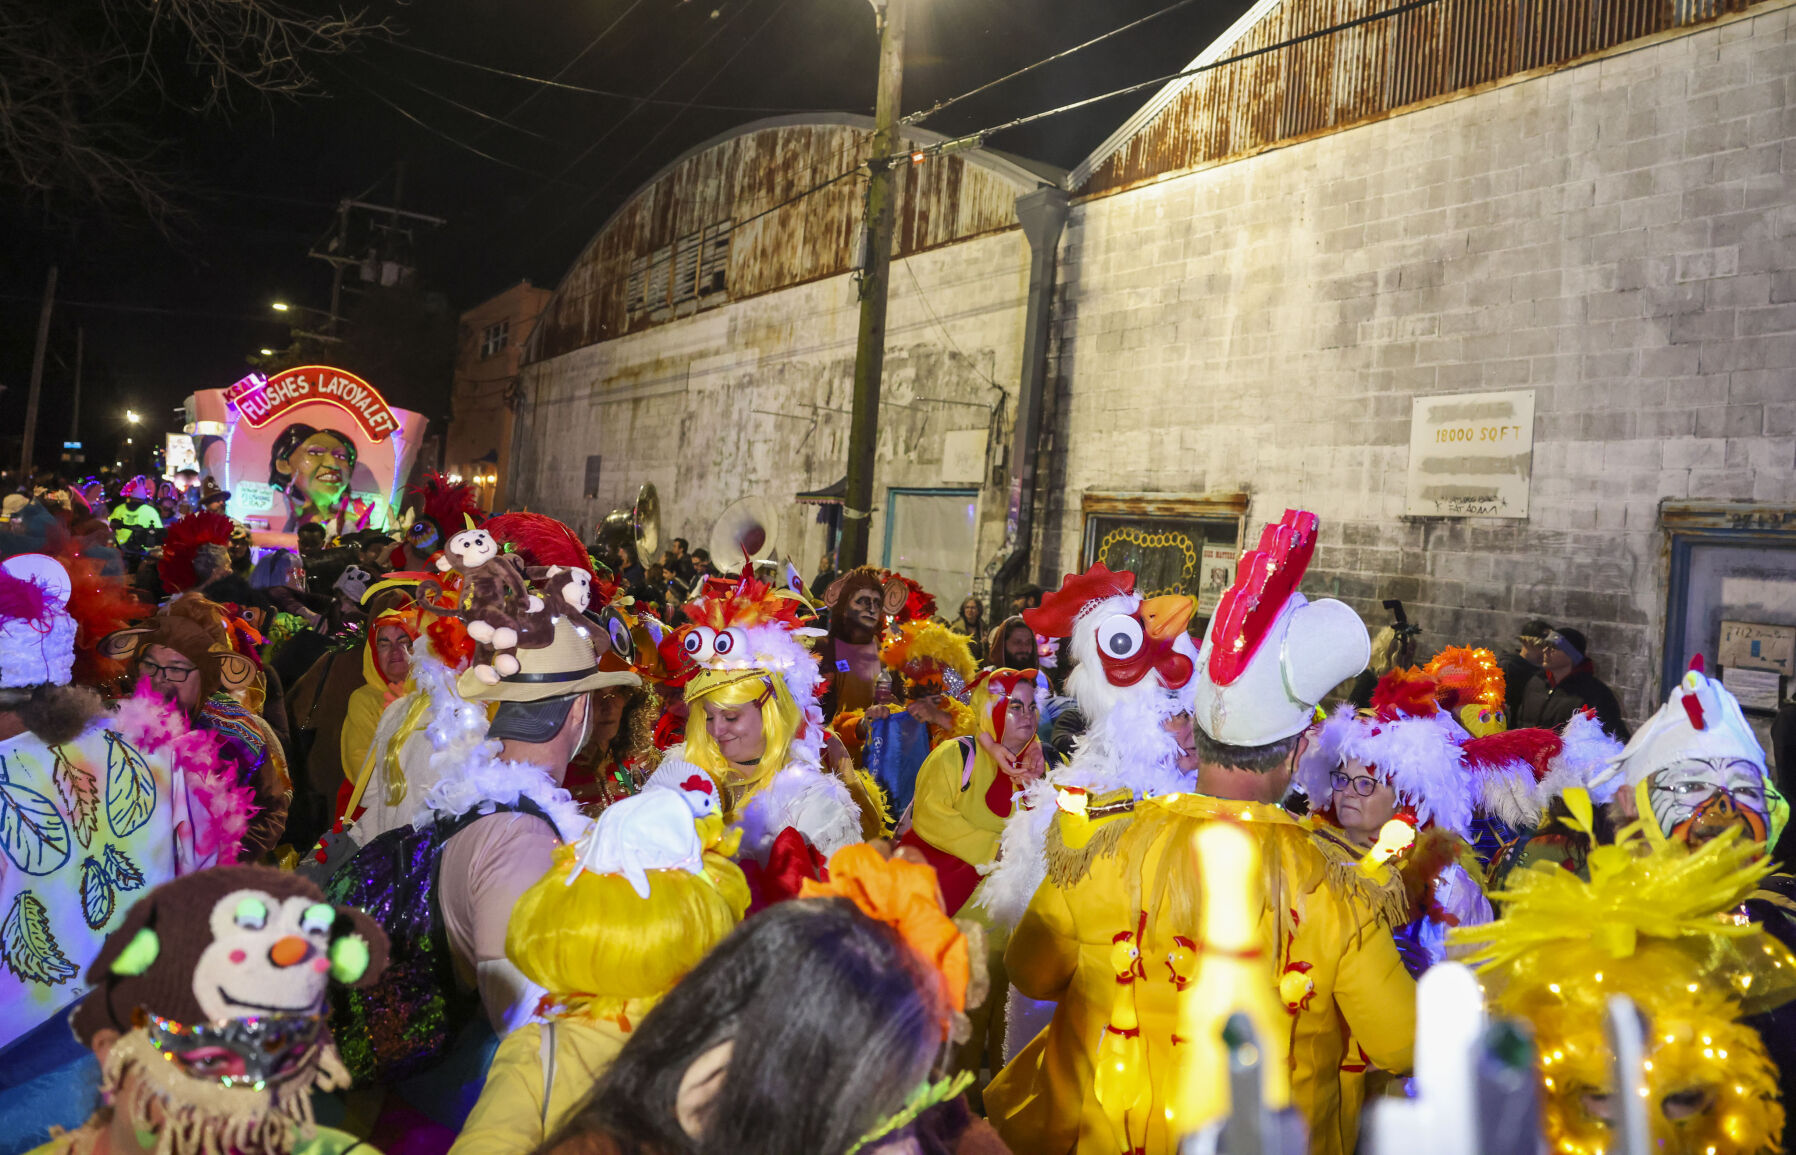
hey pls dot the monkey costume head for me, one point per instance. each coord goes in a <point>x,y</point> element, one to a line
<point>860,601</point>
<point>207,1009</point>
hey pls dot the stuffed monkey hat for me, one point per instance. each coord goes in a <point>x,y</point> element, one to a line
<point>215,984</point>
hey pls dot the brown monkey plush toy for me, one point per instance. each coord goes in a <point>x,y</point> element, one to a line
<point>495,598</point>
<point>207,1012</point>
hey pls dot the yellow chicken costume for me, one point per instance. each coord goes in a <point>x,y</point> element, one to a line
<point>1119,891</point>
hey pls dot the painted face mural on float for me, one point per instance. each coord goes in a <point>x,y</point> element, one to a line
<point>310,446</point>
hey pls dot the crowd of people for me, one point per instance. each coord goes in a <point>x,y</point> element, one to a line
<point>478,838</point>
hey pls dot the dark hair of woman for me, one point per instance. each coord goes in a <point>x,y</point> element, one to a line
<point>831,1029</point>
<point>292,438</point>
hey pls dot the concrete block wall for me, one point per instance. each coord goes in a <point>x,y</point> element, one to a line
<point>1619,237</point>
<point>754,398</point>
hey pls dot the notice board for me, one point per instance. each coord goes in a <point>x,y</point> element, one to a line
<point>1471,455</point>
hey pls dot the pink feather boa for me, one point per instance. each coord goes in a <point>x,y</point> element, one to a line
<point>218,810</point>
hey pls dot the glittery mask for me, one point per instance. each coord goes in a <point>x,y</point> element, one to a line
<point>248,1052</point>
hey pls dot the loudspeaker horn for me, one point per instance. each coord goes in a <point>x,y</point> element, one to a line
<point>748,527</point>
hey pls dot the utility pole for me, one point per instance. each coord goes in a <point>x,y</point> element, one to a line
<point>75,409</point>
<point>869,354</point>
<point>37,377</point>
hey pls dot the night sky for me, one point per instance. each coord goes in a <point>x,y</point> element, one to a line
<point>263,184</point>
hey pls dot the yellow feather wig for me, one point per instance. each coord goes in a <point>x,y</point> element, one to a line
<point>1655,922</point>
<point>594,945</point>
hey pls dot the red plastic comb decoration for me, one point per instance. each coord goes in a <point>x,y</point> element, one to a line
<point>1058,611</point>
<point>1264,581</point>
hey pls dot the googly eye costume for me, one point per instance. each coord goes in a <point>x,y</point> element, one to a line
<point>746,640</point>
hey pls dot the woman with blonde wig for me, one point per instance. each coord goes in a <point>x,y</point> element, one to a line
<point>756,733</point>
<point>622,917</point>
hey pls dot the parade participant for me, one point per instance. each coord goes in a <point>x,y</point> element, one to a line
<point>310,471</point>
<point>212,498</point>
<point>1011,645</point>
<point>966,787</point>
<point>386,665</point>
<point>102,807</point>
<point>434,510</point>
<point>729,1060</point>
<point>207,1016</point>
<point>187,657</point>
<point>1401,759</point>
<point>859,602</point>
<point>928,669</point>
<point>964,795</point>
<point>607,932</point>
<point>135,518</point>
<point>1654,921</point>
<point>756,730</point>
<point>1135,667</point>
<point>1109,934</point>
<point>1568,684</point>
<point>620,752</point>
<point>969,623</point>
<point>196,553</point>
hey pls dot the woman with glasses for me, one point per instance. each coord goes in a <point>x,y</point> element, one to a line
<point>1398,773</point>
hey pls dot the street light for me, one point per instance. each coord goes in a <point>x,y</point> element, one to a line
<point>281,306</point>
<point>268,352</point>
<point>133,416</point>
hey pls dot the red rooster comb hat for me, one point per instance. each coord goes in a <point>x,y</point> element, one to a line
<point>1059,610</point>
<point>540,540</point>
<point>182,544</point>
<point>1405,739</point>
<point>1271,654</point>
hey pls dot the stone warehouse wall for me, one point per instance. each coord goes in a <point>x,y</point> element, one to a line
<point>1619,237</point>
<point>754,397</point>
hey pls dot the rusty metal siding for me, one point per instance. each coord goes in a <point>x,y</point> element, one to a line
<point>1354,74</point>
<point>748,179</point>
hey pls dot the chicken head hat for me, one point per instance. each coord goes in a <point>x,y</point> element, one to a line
<point>1710,755</point>
<point>1271,654</point>
<point>37,633</point>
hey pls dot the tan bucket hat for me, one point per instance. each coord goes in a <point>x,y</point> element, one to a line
<point>572,663</point>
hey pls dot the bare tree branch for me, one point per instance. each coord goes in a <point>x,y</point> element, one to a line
<point>79,85</point>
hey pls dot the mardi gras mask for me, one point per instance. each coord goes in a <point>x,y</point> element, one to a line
<point>251,1052</point>
<point>1697,798</point>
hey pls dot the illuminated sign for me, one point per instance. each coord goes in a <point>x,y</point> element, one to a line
<point>262,400</point>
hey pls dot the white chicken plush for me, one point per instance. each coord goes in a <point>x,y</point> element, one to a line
<point>1136,667</point>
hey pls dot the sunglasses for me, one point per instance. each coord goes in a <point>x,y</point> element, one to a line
<point>1360,784</point>
<point>174,674</point>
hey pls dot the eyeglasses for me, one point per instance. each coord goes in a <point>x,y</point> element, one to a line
<point>1361,784</point>
<point>173,674</point>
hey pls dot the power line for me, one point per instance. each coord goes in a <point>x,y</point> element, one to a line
<point>454,140</point>
<point>116,307</point>
<point>470,110</point>
<point>938,106</point>
<point>605,92</point>
<point>675,119</point>
<point>977,138</point>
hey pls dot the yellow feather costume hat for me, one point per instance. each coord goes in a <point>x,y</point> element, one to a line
<point>1659,924</point>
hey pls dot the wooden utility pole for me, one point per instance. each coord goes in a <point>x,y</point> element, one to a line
<point>37,377</point>
<point>75,409</point>
<point>869,354</point>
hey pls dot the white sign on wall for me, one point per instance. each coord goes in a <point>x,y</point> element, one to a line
<point>1216,573</point>
<point>963,456</point>
<point>1471,455</point>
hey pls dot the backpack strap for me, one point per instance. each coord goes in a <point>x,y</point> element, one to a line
<point>970,749</point>
<point>547,1056</point>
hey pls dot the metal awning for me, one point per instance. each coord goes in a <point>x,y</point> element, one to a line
<point>828,495</point>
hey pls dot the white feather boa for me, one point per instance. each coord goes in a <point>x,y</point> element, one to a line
<point>450,765</point>
<point>800,796</point>
<point>1127,746</point>
<point>1419,756</point>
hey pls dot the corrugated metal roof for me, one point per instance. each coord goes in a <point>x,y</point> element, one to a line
<point>762,192</point>
<point>1309,66</point>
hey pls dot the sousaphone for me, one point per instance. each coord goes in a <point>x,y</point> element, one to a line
<point>638,526</point>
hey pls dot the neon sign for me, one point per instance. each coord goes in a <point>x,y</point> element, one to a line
<point>261,400</point>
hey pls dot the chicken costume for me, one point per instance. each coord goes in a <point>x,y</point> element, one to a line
<point>1135,670</point>
<point>744,637</point>
<point>1110,935</point>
